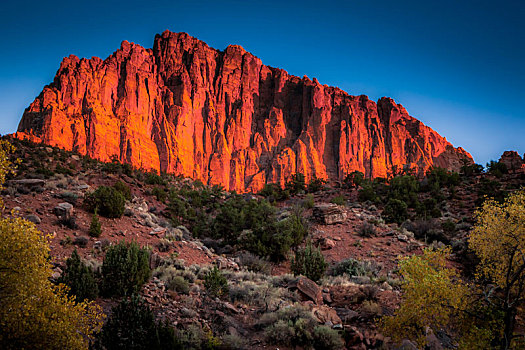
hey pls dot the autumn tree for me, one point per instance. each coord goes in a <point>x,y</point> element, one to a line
<point>498,239</point>
<point>433,297</point>
<point>34,312</point>
<point>6,167</point>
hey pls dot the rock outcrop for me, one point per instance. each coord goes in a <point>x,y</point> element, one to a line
<point>513,161</point>
<point>224,118</point>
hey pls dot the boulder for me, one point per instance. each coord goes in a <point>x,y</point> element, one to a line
<point>308,289</point>
<point>329,213</point>
<point>28,183</point>
<point>512,160</point>
<point>64,211</point>
<point>33,218</point>
<point>326,315</point>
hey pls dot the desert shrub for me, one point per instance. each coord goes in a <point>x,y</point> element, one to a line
<point>295,326</point>
<point>253,226</point>
<point>325,338</point>
<point>427,230</point>
<point>59,169</point>
<point>353,267</point>
<point>497,169</point>
<point>428,209</point>
<point>404,188</point>
<point>81,241</point>
<point>488,189</point>
<point>353,180</point>
<point>109,202</point>
<point>95,228</point>
<point>125,269</point>
<point>296,184</point>
<point>367,193</point>
<point>366,229</point>
<point>152,178</point>
<point>371,309</point>
<point>339,200</point>
<point>179,285</point>
<point>273,192</point>
<point>439,178</point>
<point>132,325</point>
<point>259,294</point>
<point>395,211</point>
<point>45,172</point>
<point>234,342</point>
<point>164,245</point>
<point>308,202</point>
<point>123,188</point>
<point>254,263</point>
<point>309,262</point>
<point>160,193</point>
<point>316,185</point>
<point>448,226</point>
<point>370,291</point>
<point>79,278</point>
<point>116,167</point>
<point>471,169</point>
<point>215,283</point>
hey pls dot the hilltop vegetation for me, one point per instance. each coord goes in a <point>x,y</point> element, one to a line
<point>358,264</point>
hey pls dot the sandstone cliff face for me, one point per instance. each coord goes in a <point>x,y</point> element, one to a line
<point>224,118</point>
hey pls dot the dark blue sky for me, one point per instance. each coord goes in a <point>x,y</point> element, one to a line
<point>459,66</point>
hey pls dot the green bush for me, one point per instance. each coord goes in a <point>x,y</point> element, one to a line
<point>152,178</point>
<point>125,269</point>
<point>132,325</point>
<point>428,209</point>
<point>497,169</point>
<point>215,283</point>
<point>79,278</point>
<point>316,185</point>
<point>123,188</point>
<point>471,169</point>
<point>309,262</point>
<point>159,193</point>
<point>252,225</point>
<point>179,285</point>
<point>404,188</point>
<point>353,180</point>
<point>296,184</point>
<point>395,211</point>
<point>295,326</point>
<point>367,193</point>
<point>366,229</point>
<point>325,338</point>
<point>339,200</point>
<point>95,228</point>
<point>109,202</point>
<point>353,267</point>
<point>274,193</point>
<point>308,202</point>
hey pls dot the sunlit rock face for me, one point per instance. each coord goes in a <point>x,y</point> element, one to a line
<point>224,118</point>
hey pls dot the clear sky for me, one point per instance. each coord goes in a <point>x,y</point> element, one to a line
<point>458,66</point>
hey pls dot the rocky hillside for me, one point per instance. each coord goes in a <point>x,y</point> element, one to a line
<point>257,298</point>
<point>223,117</point>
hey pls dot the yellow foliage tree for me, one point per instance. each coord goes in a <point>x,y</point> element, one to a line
<point>498,239</point>
<point>433,297</point>
<point>6,167</point>
<point>35,313</point>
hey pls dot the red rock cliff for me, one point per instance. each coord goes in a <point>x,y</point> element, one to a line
<point>224,118</point>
